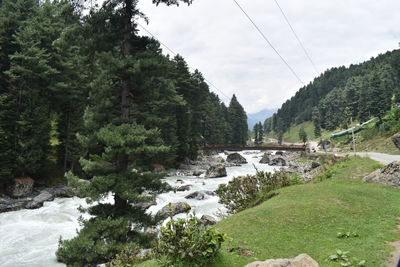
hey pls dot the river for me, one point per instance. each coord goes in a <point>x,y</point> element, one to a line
<point>30,237</point>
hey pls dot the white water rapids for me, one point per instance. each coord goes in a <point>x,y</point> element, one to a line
<point>30,237</point>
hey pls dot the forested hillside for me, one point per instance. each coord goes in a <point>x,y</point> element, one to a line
<point>356,92</point>
<point>64,77</point>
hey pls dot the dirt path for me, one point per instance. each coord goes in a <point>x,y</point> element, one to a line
<point>380,157</point>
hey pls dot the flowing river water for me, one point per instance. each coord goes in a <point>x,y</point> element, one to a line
<point>30,237</point>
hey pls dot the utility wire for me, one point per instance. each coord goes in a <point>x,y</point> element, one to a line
<point>269,43</point>
<point>297,37</point>
<point>190,67</point>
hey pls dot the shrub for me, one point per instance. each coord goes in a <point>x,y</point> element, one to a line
<point>129,257</point>
<point>242,192</point>
<point>184,242</point>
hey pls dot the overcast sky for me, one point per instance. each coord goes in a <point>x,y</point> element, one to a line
<point>215,37</point>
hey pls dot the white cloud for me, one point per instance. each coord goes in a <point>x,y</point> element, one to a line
<point>215,37</point>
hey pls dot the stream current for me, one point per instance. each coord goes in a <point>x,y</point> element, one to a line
<point>30,237</point>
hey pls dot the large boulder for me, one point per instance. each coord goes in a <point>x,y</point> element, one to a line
<point>278,161</point>
<point>172,209</point>
<point>20,187</point>
<point>302,260</point>
<point>200,195</point>
<point>216,171</point>
<point>390,175</point>
<point>396,140</point>
<point>207,220</point>
<point>236,158</point>
<point>183,188</point>
<point>38,201</point>
<point>266,158</point>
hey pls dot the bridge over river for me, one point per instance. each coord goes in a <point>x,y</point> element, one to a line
<point>230,147</point>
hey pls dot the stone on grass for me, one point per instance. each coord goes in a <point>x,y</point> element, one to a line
<point>390,175</point>
<point>396,140</point>
<point>207,220</point>
<point>302,260</point>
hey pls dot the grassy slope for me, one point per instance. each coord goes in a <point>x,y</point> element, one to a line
<point>306,219</point>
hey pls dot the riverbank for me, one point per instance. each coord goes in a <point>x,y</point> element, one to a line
<point>307,219</point>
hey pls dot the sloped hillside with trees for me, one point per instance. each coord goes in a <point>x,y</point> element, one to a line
<point>357,92</point>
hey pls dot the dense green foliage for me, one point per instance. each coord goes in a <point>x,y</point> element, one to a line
<point>56,63</point>
<point>184,242</point>
<point>258,132</point>
<point>84,94</point>
<point>242,192</point>
<point>359,92</point>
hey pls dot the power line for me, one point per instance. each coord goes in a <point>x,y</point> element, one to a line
<point>190,67</point>
<point>297,37</point>
<point>269,43</point>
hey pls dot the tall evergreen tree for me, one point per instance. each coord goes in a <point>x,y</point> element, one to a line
<point>118,149</point>
<point>238,122</point>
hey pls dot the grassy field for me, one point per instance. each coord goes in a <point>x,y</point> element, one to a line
<point>306,219</point>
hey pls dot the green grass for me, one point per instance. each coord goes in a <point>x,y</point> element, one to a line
<point>292,135</point>
<point>306,219</point>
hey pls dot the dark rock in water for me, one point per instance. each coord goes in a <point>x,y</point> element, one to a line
<point>183,188</point>
<point>172,209</point>
<point>20,187</point>
<point>216,171</point>
<point>146,205</point>
<point>315,164</point>
<point>13,204</point>
<point>197,173</point>
<point>390,175</point>
<point>236,158</point>
<point>396,140</point>
<point>278,161</point>
<point>38,201</point>
<point>279,153</point>
<point>200,195</point>
<point>180,181</point>
<point>207,220</point>
<point>266,158</point>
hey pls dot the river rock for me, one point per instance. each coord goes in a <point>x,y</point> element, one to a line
<point>315,164</point>
<point>20,187</point>
<point>38,201</point>
<point>266,158</point>
<point>216,171</point>
<point>183,188</point>
<point>390,175</point>
<point>13,204</point>
<point>278,161</point>
<point>146,205</point>
<point>200,195</point>
<point>279,153</point>
<point>236,158</point>
<point>396,140</point>
<point>302,260</point>
<point>172,209</point>
<point>207,220</point>
<point>197,172</point>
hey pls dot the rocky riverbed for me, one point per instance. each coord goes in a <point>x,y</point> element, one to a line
<point>29,237</point>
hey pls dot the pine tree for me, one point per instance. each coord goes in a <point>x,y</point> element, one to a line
<point>119,151</point>
<point>238,122</point>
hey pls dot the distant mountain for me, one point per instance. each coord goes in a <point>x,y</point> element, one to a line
<point>253,118</point>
